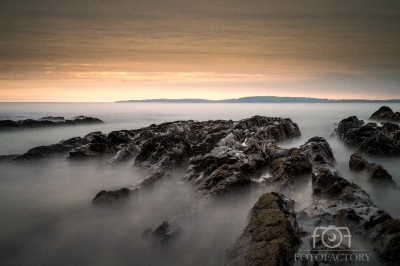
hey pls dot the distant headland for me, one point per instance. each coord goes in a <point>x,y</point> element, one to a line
<point>263,99</point>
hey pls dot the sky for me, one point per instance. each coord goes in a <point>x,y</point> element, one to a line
<point>102,51</point>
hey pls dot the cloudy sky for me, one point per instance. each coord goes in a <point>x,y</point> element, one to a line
<point>98,50</point>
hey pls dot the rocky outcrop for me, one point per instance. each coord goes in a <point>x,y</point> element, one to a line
<point>98,145</point>
<point>284,170</point>
<point>385,236</point>
<point>111,196</point>
<point>343,204</point>
<point>386,114</point>
<point>47,121</point>
<point>369,138</point>
<point>226,160</point>
<point>271,237</point>
<point>318,151</point>
<point>50,150</point>
<point>171,150</point>
<point>375,173</point>
<point>219,156</point>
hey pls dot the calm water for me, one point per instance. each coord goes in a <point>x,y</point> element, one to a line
<point>45,213</point>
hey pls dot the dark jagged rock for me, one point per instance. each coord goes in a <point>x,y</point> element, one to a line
<point>170,150</point>
<point>318,150</point>
<point>219,156</point>
<point>375,172</point>
<point>126,153</point>
<point>46,122</point>
<point>271,237</point>
<point>154,177</point>
<point>284,170</point>
<point>369,138</point>
<point>148,182</point>
<point>51,150</point>
<point>385,236</point>
<point>386,114</point>
<point>111,196</point>
<point>343,204</point>
<point>239,153</point>
<point>97,145</point>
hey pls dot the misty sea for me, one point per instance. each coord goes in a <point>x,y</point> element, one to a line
<point>46,216</point>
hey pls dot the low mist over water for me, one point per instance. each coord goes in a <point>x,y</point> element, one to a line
<point>46,214</point>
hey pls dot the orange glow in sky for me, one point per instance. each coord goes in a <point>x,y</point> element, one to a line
<point>191,49</point>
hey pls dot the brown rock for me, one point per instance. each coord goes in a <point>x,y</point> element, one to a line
<point>271,237</point>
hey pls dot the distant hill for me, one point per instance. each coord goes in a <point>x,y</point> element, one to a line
<point>263,99</point>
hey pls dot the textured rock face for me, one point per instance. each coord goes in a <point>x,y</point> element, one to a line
<point>318,151</point>
<point>374,172</point>
<point>271,237</point>
<point>341,203</point>
<point>225,160</point>
<point>98,145</point>
<point>47,121</point>
<point>284,170</point>
<point>369,138</point>
<point>385,114</point>
<point>217,156</point>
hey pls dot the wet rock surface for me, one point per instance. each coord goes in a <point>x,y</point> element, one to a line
<point>98,145</point>
<point>370,138</point>
<point>386,114</point>
<point>375,173</point>
<point>47,122</point>
<point>286,169</point>
<point>271,237</point>
<point>318,151</point>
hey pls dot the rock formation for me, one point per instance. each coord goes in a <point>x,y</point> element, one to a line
<point>50,150</point>
<point>217,157</point>
<point>111,196</point>
<point>271,237</point>
<point>343,204</point>
<point>318,151</point>
<point>369,138</point>
<point>374,172</point>
<point>47,122</point>
<point>386,114</point>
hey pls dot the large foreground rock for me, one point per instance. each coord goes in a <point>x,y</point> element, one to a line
<point>271,237</point>
<point>370,138</point>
